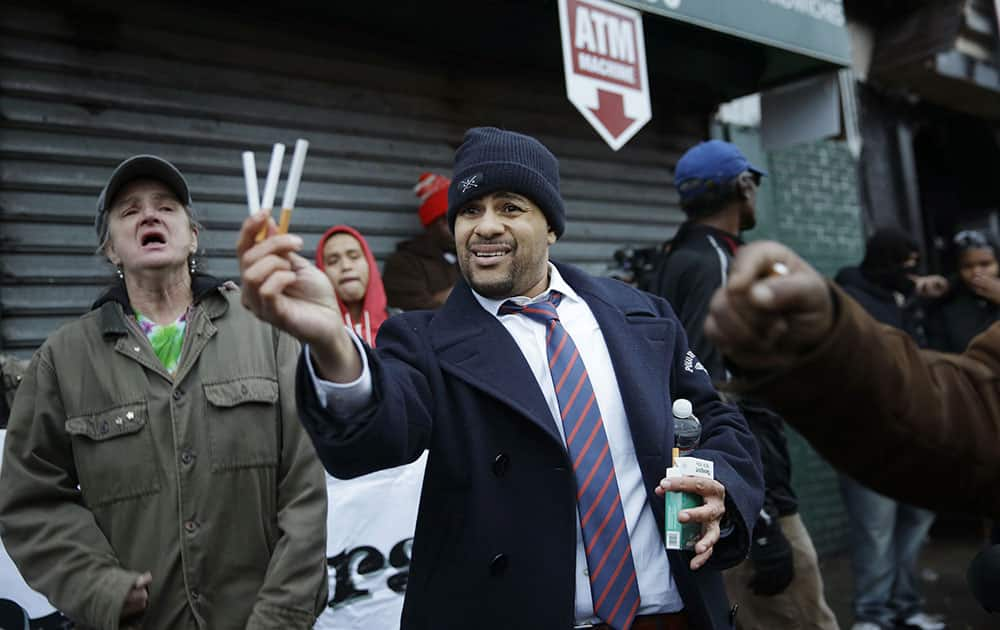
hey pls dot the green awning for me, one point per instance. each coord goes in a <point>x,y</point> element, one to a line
<point>813,28</point>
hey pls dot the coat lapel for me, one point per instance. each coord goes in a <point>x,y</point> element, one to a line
<point>474,347</point>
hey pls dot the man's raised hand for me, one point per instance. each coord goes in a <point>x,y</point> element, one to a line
<point>774,308</point>
<point>289,292</point>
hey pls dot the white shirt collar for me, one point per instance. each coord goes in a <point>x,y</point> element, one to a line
<point>556,283</point>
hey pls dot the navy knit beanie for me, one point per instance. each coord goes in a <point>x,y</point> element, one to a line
<point>492,160</point>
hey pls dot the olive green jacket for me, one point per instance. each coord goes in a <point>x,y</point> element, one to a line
<point>205,479</point>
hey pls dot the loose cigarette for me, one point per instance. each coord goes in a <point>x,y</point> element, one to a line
<point>271,184</point>
<point>292,185</point>
<point>273,173</point>
<point>250,176</point>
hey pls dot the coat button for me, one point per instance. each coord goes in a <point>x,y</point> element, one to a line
<point>187,457</point>
<point>178,393</point>
<point>498,565</point>
<point>195,595</point>
<point>501,464</point>
<point>190,527</point>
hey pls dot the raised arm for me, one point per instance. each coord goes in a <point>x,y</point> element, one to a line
<point>286,290</point>
<point>861,392</point>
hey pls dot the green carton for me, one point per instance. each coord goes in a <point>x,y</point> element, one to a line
<point>679,535</point>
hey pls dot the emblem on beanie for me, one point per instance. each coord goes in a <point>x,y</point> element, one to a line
<point>469,183</point>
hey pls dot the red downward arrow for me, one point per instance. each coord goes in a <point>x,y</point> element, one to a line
<point>611,112</point>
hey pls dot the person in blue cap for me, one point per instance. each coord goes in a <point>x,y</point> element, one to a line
<point>780,586</point>
<point>718,193</point>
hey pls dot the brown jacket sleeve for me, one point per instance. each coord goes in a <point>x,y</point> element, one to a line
<point>294,592</point>
<point>920,426</point>
<point>53,539</point>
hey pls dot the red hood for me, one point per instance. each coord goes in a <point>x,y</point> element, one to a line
<point>375,301</point>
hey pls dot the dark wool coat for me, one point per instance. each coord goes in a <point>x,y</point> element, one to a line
<point>495,541</point>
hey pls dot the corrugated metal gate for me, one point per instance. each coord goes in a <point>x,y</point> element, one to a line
<point>75,101</point>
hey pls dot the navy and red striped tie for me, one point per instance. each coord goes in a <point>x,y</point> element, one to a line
<point>602,519</point>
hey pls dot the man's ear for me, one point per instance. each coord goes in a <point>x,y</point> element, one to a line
<point>746,186</point>
<point>551,237</point>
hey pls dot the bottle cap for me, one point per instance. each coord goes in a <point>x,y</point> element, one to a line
<point>682,408</point>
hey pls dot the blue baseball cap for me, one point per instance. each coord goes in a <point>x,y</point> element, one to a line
<point>708,166</point>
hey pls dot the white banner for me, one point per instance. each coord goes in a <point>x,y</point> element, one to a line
<point>369,529</point>
<point>12,585</point>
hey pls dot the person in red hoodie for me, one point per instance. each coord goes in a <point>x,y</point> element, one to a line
<point>377,510</point>
<point>344,256</point>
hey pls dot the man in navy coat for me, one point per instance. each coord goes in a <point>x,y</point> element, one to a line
<point>544,397</point>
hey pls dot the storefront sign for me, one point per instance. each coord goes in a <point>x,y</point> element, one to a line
<point>815,28</point>
<point>604,57</point>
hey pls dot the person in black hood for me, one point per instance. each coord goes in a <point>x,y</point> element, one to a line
<point>890,260</point>
<point>886,535</point>
<point>780,586</point>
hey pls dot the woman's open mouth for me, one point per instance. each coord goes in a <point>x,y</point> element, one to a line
<point>153,239</point>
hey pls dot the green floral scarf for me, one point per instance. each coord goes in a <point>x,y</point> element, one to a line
<point>167,341</point>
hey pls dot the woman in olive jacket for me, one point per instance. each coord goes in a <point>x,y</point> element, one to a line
<point>155,472</point>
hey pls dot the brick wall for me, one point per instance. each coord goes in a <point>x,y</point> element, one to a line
<point>810,202</point>
<point>816,205</point>
<point>817,211</point>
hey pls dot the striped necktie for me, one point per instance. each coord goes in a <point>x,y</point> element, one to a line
<point>602,519</point>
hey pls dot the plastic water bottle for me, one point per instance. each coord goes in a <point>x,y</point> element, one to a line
<point>687,434</point>
<point>687,428</point>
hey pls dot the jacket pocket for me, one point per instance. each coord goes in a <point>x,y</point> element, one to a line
<point>114,455</point>
<point>243,425</point>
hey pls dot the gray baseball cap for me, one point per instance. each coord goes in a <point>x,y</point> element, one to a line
<point>136,167</point>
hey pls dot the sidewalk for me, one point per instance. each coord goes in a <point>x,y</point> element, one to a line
<point>943,566</point>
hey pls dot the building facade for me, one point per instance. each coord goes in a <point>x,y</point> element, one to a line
<point>382,94</point>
